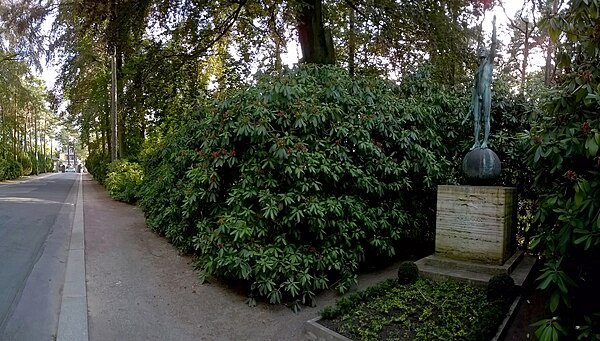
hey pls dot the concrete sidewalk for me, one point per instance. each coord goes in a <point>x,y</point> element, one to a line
<point>140,288</point>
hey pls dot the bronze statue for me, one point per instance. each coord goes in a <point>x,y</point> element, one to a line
<point>481,101</point>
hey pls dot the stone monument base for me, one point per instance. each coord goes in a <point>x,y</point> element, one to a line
<point>475,223</point>
<point>518,266</point>
<point>475,237</point>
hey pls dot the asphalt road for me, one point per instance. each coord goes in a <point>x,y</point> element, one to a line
<point>36,218</point>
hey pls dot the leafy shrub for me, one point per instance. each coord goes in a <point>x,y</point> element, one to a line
<point>291,184</point>
<point>39,164</point>
<point>44,164</point>
<point>10,169</point>
<point>3,167</point>
<point>165,161</point>
<point>25,161</point>
<point>14,169</point>
<point>97,165</point>
<point>123,180</point>
<point>408,272</point>
<point>500,287</point>
<point>563,152</point>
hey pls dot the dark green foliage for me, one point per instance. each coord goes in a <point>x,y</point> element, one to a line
<point>291,184</point>
<point>165,162</point>
<point>38,163</point>
<point>424,310</point>
<point>97,165</point>
<point>348,303</point>
<point>10,169</point>
<point>44,164</point>
<point>408,272</point>
<point>25,161</point>
<point>563,152</point>
<point>123,180</point>
<point>501,287</point>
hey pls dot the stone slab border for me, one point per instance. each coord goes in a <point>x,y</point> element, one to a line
<point>73,319</point>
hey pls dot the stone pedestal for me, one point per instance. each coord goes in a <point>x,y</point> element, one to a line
<point>476,223</point>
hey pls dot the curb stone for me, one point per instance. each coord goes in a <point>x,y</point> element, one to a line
<point>73,319</point>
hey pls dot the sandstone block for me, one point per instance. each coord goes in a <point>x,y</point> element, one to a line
<point>476,223</point>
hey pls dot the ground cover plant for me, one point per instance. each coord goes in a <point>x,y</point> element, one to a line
<point>425,310</point>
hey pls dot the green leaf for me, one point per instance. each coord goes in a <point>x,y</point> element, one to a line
<point>581,239</point>
<point>578,198</point>
<point>549,279</point>
<point>538,153</point>
<point>554,300</point>
<point>554,33</point>
<point>591,146</point>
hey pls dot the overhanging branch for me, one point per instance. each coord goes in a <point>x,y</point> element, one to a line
<point>225,28</point>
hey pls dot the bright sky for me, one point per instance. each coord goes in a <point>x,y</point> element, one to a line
<point>291,56</point>
<point>50,71</point>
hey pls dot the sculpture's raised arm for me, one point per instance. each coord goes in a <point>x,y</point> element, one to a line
<point>494,43</point>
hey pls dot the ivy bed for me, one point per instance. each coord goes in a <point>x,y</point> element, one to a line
<point>423,310</point>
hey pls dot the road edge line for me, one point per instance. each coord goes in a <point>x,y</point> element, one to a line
<point>73,317</point>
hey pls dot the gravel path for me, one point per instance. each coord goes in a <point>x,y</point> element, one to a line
<point>140,288</point>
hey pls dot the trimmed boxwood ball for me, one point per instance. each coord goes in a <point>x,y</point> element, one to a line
<point>408,273</point>
<point>500,287</point>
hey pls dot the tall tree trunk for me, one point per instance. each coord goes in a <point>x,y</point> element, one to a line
<point>548,69</point>
<point>525,58</point>
<point>351,43</point>
<point>25,131</point>
<point>14,127</point>
<point>316,43</point>
<point>141,121</point>
<point>35,147</point>
<point>44,144</point>
<point>114,51</point>
<point>278,63</point>
<point>106,133</point>
<point>121,117</point>
<point>2,134</point>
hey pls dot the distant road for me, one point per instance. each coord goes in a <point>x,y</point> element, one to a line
<point>36,217</point>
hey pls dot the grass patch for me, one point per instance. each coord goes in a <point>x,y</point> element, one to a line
<point>426,310</point>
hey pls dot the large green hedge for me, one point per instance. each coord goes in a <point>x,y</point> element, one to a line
<point>10,169</point>
<point>292,183</point>
<point>97,165</point>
